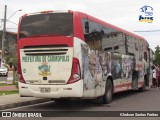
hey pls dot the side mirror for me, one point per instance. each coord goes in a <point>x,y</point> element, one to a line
<point>86,27</point>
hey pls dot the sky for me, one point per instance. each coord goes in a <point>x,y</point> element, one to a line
<point>122,13</point>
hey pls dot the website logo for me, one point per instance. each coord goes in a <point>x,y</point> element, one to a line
<point>146,14</point>
<point>6,114</point>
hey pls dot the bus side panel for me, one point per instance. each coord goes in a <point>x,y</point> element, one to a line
<point>121,70</point>
<point>132,74</point>
<point>141,71</point>
<point>91,70</point>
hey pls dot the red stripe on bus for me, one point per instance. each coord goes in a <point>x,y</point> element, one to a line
<point>125,87</point>
<point>56,40</point>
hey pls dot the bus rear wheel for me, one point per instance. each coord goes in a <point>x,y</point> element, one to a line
<point>107,97</point>
<point>62,100</point>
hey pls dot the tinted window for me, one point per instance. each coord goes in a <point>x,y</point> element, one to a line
<point>92,35</point>
<point>100,37</point>
<point>116,47</point>
<point>108,49</point>
<point>47,24</point>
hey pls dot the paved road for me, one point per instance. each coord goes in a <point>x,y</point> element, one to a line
<point>126,101</point>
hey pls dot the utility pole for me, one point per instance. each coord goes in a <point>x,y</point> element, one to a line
<point>4,34</point>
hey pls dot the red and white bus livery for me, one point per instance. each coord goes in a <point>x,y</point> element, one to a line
<point>69,54</point>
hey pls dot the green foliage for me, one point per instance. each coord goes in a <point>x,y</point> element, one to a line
<point>9,59</point>
<point>4,84</point>
<point>157,55</point>
<point>9,92</point>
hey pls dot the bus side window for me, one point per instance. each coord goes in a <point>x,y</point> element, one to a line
<point>86,24</point>
<point>92,34</point>
<point>108,49</point>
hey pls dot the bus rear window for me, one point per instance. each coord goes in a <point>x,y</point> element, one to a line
<point>60,24</point>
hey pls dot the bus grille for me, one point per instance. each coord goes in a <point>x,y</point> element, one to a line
<point>46,50</point>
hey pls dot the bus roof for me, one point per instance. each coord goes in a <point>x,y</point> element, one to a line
<point>107,24</point>
<point>81,14</point>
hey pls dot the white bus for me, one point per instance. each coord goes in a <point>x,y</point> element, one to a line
<point>69,54</point>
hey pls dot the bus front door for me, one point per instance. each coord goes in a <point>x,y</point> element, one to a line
<point>135,80</point>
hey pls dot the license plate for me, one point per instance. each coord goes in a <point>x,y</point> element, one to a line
<point>45,90</point>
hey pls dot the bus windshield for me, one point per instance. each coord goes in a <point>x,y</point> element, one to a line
<point>60,24</point>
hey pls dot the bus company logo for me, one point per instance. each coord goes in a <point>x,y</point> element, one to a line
<point>44,69</point>
<point>146,14</point>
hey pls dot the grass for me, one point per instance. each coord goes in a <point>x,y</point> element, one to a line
<point>8,92</point>
<point>4,84</point>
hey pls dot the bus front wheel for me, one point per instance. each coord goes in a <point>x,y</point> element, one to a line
<point>107,97</point>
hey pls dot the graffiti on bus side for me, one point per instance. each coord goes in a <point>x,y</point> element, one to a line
<point>97,64</point>
<point>94,67</point>
<point>128,65</point>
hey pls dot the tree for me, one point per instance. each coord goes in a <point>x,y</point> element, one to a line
<point>12,60</point>
<point>157,55</point>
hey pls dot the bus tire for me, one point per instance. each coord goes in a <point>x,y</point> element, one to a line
<point>62,100</point>
<point>107,97</point>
